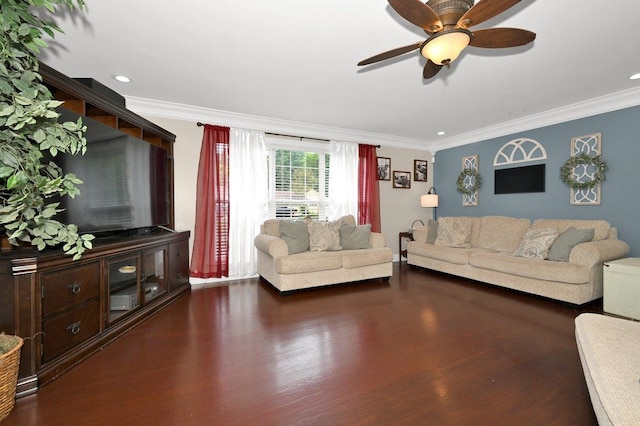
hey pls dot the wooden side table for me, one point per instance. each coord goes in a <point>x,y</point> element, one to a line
<point>403,236</point>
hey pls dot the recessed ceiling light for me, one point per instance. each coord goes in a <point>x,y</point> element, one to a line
<point>440,133</point>
<point>122,78</point>
<point>635,76</point>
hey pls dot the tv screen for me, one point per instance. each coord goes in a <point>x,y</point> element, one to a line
<point>520,179</point>
<point>125,181</point>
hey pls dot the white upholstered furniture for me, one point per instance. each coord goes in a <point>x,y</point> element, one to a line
<point>308,268</point>
<point>487,255</point>
<point>609,350</point>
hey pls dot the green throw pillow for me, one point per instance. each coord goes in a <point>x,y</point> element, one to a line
<point>355,237</point>
<point>562,246</point>
<point>295,234</point>
<point>432,232</point>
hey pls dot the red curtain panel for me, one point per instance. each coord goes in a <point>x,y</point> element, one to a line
<point>210,258</point>
<point>368,194</point>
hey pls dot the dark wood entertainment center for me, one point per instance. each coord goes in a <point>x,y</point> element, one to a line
<point>66,310</point>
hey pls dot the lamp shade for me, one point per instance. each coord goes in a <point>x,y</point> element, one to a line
<point>429,200</point>
<point>444,47</point>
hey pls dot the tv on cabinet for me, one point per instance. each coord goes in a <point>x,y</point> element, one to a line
<point>125,181</point>
<point>520,179</point>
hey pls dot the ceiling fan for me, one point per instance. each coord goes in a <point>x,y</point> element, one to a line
<point>447,23</point>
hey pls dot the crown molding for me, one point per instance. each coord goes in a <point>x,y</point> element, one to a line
<point>150,107</point>
<point>603,104</point>
<point>608,103</point>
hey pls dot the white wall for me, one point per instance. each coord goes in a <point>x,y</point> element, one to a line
<point>399,207</point>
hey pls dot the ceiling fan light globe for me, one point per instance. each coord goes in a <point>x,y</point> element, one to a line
<point>444,47</point>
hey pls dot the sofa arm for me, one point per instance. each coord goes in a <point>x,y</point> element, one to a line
<point>273,246</point>
<point>596,252</point>
<point>377,240</point>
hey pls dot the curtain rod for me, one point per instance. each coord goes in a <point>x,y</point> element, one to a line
<point>199,124</point>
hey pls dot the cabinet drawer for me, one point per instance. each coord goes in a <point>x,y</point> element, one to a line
<point>67,330</point>
<point>69,287</point>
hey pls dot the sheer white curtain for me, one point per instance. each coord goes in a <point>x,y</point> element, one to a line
<point>248,198</point>
<point>343,179</point>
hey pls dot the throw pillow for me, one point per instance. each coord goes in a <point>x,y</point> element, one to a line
<point>355,237</point>
<point>346,220</point>
<point>536,242</point>
<point>295,234</point>
<point>324,236</point>
<point>454,232</point>
<point>432,232</point>
<point>561,247</point>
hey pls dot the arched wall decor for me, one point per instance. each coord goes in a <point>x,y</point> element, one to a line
<point>520,150</point>
<point>470,162</point>
<point>589,145</point>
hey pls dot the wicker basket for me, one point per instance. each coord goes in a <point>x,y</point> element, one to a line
<point>9,364</point>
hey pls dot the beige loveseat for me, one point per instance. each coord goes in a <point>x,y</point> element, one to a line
<point>485,248</point>
<point>609,351</point>
<point>336,252</point>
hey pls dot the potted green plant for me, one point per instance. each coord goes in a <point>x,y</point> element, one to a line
<point>29,127</point>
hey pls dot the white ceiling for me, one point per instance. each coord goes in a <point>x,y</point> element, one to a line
<point>295,61</point>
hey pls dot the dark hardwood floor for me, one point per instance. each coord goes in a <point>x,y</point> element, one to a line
<point>422,349</point>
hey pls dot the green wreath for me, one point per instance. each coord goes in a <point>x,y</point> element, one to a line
<point>476,181</point>
<point>567,171</point>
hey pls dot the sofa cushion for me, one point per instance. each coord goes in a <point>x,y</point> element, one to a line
<point>456,255</point>
<point>324,236</point>
<point>501,233</point>
<point>295,234</point>
<point>608,349</point>
<point>454,232</point>
<point>308,261</point>
<point>601,227</point>
<point>355,237</point>
<point>272,227</point>
<point>562,246</point>
<point>359,258</point>
<point>531,268</point>
<point>536,243</point>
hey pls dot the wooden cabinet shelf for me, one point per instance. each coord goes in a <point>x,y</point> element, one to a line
<point>66,310</point>
<point>68,307</point>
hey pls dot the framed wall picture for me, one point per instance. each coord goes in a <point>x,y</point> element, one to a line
<point>420,170</point>
<point>384,168</point>
<point>402,180</point>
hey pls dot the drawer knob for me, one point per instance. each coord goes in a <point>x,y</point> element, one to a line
<point>74,328</point>
<point>75,288</point>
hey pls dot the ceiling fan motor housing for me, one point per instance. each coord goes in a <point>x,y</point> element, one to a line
<point>450,11</point>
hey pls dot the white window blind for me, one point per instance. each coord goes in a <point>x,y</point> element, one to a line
<point>298,179</point>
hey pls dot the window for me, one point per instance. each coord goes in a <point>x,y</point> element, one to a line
<point>298,179</point>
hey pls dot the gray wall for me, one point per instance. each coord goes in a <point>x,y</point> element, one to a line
<point>620,200</point>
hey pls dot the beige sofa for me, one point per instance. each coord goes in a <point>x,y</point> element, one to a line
<point>608,349</point>
<point>486,254</point>
<point>320,265</point>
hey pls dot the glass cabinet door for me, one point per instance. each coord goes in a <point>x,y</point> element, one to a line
<point>154,273</point>
<point>123,278</point>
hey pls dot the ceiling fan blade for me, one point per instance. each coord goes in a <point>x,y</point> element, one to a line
<point>501,37</point>
<point>430,69</point>
<point>418,14</point>
<point>390,54</point>
<point>483,11</point>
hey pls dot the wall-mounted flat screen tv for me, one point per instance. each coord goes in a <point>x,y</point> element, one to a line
<point>520,179</point>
